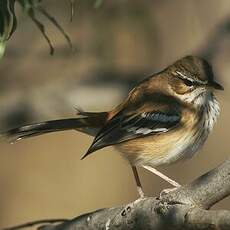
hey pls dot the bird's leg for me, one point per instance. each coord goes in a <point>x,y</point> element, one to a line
<point>161,175</point>
<point>139,190</point>
<point>138,182</point>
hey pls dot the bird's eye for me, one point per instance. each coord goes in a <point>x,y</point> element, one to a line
<point>188,82</point>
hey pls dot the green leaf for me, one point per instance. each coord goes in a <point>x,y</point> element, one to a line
<point>2,49</point>
<point>8,22</point>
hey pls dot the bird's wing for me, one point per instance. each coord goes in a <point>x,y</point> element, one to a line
<point>123,127</point>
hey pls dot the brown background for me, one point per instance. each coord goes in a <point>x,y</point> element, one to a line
<point>116,46</point>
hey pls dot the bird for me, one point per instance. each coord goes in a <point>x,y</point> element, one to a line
<point>165,118</point>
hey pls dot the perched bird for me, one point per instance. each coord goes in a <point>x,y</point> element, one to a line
<point>165,118</point>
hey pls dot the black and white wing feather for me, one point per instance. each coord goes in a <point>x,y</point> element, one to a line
<point>123,128</point>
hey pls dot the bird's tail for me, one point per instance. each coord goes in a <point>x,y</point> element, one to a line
<point>88,123</point>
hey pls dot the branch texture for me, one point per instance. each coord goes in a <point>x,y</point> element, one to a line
<point>184,208</point>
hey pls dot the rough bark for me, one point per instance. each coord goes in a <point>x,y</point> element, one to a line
<point>184,208</point>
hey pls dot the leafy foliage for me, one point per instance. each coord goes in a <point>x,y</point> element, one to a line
<point>32,8</point>
<point>8,21</point>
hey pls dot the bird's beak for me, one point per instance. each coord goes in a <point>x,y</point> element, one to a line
<point>216,85</point>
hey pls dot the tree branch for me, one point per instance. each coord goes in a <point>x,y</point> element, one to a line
<point>185,208</point>
<point>207,189</point>
<point>148,214</point>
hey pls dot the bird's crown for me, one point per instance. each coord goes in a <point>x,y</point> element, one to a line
<point>194,69</point>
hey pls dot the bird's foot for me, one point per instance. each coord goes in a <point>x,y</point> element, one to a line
<point>140,192</point>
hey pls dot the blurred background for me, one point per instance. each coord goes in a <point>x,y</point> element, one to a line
<point>116,45</point>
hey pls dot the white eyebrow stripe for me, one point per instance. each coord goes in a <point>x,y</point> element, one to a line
<point>184,76</point>
<point>190,79</point>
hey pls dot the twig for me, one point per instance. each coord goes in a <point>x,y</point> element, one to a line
<point>37,222</point>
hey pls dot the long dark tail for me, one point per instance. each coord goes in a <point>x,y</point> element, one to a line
<point>91,121</point>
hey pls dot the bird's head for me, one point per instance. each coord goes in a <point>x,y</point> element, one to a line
<point>191,80</point>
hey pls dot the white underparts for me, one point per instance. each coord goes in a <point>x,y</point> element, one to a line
<point>190,142</point>
<point>194,141</point>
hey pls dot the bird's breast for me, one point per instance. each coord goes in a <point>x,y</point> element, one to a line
<point>179,143</point>
<point>160,149</point>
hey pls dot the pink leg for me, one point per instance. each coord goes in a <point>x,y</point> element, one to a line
<point>161,175</point>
